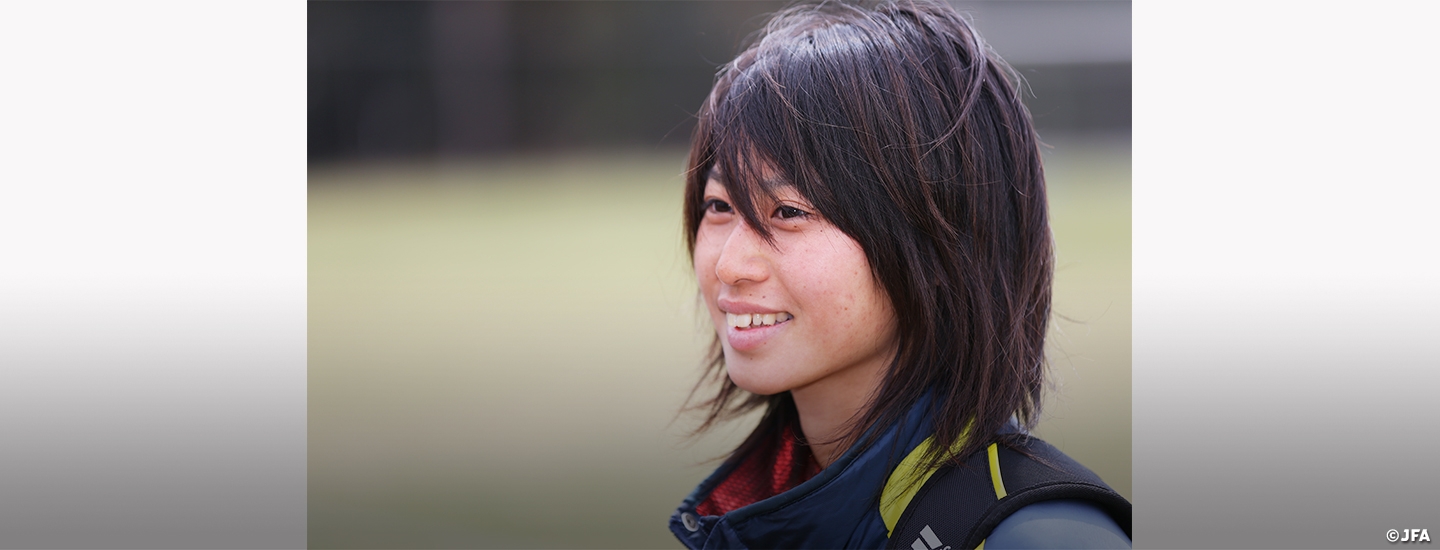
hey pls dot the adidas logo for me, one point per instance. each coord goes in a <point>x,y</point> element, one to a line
<point>928,541</point>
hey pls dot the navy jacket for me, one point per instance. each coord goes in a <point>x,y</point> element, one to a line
<point>839,507</point>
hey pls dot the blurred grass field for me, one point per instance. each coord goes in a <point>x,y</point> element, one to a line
<point>498,349</point>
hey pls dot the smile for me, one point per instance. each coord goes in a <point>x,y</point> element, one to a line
<point>745,320</point>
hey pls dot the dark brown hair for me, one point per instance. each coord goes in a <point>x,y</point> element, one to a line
<point>905,131</point>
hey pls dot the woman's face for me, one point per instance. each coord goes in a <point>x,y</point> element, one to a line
<point>806,312</point>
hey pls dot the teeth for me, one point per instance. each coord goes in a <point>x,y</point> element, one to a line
<point>744,320</point>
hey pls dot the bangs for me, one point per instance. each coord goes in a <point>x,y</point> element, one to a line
<point>749,155</point>
<point>771,121</point>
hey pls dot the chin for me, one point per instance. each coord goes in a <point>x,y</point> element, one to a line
<point>744,374</point>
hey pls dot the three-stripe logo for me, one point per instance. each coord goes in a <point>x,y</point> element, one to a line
<point>928,541</point>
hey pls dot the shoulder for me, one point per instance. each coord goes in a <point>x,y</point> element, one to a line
<point>1055,501</point>
<point>1067,523</point>
<point>1022,494</point>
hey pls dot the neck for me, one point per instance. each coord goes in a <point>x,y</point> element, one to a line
<point>827,407</point>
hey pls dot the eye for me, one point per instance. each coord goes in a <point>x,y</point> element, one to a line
<point>787,212</point>
<point>717,206</point>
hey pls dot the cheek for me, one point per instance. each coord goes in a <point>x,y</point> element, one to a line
<point>833,271</point>
<point>835,280</point>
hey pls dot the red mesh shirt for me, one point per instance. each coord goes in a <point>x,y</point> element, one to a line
<point>767,471</point>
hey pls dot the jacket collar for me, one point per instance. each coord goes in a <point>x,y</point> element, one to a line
<point>838,508</point>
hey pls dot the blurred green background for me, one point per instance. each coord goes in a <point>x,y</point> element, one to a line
<point>498,350</point>
<point>502,317</point>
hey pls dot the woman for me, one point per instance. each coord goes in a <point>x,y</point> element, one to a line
<point>866,212</point>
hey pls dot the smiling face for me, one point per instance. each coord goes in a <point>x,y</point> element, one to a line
<point>805,314</point>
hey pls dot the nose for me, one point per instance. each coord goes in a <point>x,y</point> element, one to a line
<point>742,259</point>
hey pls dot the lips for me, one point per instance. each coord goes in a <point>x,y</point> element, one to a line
<point>756,332</point>
<point>748,326</point>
